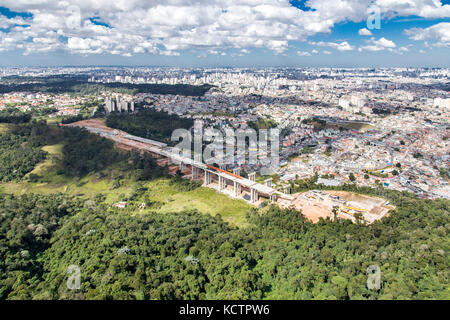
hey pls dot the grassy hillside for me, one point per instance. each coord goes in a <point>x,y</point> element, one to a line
<point>118,183</point>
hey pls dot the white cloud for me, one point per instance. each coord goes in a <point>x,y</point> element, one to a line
<point>364,32</point>
<point>421,8</point>
<point>303,53</point>
<point>343,46</point>
<point>378,45</point>
<point>439,32</point>
<point>164,27</point>
<point>385,43</point>
<point>326,52</point>
<point>5,23</point>
<point>168,26</point>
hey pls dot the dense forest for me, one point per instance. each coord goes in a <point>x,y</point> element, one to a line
<point>262,123</point>
<point>13,115</point>
<point>17,156</point>
<point>187,255</point>
<point>79,85</point>
<point>126,254</point>
<point>82,152</point>
<point>149,124</point>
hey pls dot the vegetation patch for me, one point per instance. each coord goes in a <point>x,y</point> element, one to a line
<point>149,124</point>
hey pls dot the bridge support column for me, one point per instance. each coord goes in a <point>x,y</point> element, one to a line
<point>237,171</point>
<point>222,182</point>
<point>237,189</point>
<point>252,176</point>
<point>194,172</point>
<point>207,178</point>
<point>253,195</point>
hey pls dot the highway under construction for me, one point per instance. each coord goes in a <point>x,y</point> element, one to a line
<point>313,204</point>
<point>229,183</point>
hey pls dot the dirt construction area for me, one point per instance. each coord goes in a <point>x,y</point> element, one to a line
<point>316,204</point>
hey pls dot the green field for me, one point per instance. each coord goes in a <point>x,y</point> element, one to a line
<point>50,181</point>
<point>117,183</point>
<point>355,125</point>
<point>205,200</point>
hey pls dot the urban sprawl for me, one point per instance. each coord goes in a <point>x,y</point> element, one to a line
<point>367,126</point>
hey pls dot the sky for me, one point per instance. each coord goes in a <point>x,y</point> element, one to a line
<point>213,33</point>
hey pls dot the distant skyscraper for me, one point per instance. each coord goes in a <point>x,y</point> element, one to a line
<point>442,103</point>
<point>119,104</point>
<point>344,103</point>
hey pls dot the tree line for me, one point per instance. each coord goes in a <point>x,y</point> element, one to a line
<point>188,255</point>
<point>149,124</point>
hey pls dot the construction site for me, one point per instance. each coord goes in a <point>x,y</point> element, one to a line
<point>230,183</point>
<point>313,204</point>
<point>316,204</point>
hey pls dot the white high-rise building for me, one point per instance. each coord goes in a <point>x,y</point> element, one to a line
<point>357,101</point>
<point>119,104</point>
<point>344,103</point>
<point>441,103</point>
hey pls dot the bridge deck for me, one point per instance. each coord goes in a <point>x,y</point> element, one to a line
<point>163,150</point>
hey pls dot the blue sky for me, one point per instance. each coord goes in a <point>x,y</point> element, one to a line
<point>208,33</point>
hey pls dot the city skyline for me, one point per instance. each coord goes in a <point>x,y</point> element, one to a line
<point>310,33</point>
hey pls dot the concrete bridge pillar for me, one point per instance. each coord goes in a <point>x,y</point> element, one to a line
<point>195,172</point>
<point>252,176</point>
<point>223,182</point>
<point>237,171</point>
<point>237,189</point>
<point>268,182</point>
<point>253,195</point>
<point>207,178</point>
